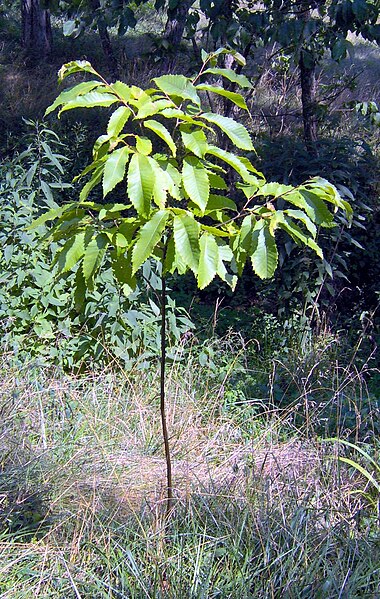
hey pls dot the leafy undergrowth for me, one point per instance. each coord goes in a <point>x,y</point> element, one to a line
<point>263,509</point>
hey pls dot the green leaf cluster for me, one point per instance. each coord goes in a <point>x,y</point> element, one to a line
<point>171,185</point>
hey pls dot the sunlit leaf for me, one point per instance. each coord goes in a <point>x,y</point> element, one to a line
<point>232,96</point>
<point>114,169</point>
<point>265,255</point>
<point>147,238</point>
<point>140,183</point>
<point>241,80</point>
<point>195,181</point>
<point>118,120</point>
<point>186,237</point>
<point>177,85</point>
<point>71,252</point>
<point>208,260</point>
<point>237,133</point>
<point>163,133</point>
<point>195,141</point>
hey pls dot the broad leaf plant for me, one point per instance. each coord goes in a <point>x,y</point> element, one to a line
<point>178,205</point>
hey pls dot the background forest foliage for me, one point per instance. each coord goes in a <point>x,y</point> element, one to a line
<point>260,379</point>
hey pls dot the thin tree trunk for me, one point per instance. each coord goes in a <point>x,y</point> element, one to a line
<point>36,28</point>
<point>175,26</point>
<point>309,104</point>
<point>307,66</point>
<point>176,22</point>
<point>105,40</point>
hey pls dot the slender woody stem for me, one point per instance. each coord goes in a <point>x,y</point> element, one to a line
<point>169,491</point>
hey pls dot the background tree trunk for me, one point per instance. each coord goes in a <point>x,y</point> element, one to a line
<point>308,97</point>
<point>307,66</point>
<point>105,39</point>
<point>176,23</point>
<point>36,28</point>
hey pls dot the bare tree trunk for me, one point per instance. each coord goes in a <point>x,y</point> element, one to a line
<point>307,66</point>
<point>309,104</point>
<point>105,40</point>
<point>176,23</point>
<point>175,26</point>
<point>36,28</point>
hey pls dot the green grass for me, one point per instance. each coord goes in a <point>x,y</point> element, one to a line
<point>261,510</point>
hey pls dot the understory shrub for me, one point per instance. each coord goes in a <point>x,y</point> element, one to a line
<point>41,315</point>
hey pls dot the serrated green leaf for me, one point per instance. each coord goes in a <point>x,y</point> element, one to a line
<point>296,232</point>
<point>120,241</point>
<point>217,202</point>
<point>178,85</point>
<point>127,227</point>
<point>121,264</point>
<point>51,214</point>
<point>147,238</point>
<point>162,184</point>
<point>316,208</point>
<point>75,66</point>
<point>146,108</point>
<point>112,211</point>
<point>265,255</point>
<point>140,183</point>
<point>186,238</point>
<point>122,90</point>
<point>173,260</point>
<point>93,257</point>
<point>233,96</point>
<point>229,74</point>
<point>99,152</point>
<point>232,160</point>
<point>162,132</point>
<point>327,192</point>
<point>195,181</point>
<point>300,215</point>
<point>93,182</point>
<point>79,290</point>
<point>237,133</point>
<point>117,121</point>
<point>215,231</point>
<point>276,190</point>
<point>216,181</point>
<point>225,255</point>
<point>72,93</point>
<point>143,145</point>
<point>71,252</point>
<point>114,168</point>
<point>176,113</point>
<point>208,260</point>
<point>195,141</point>
<point>90,100</point>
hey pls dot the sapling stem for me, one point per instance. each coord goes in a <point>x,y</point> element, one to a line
<point>169,487</point>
